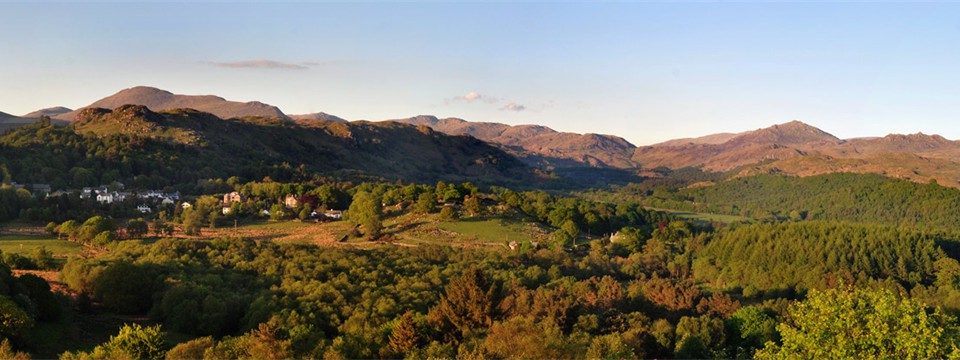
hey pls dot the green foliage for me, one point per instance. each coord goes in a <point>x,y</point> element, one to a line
<point>426,203</point>
<point>845,323</point>
<point>137,228</point>
<point>365,210</point>
<point>191,350</point>
<point>809,255</point>
<point>865,198</point>
<point>131,342</point>
<point>470,301</point>
<point>6,351</point>
<point>610,346</point>
<point>448,213</point>
<point>14,321</point>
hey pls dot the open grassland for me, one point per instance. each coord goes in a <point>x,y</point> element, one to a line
<point>478,231</point>
<point>27,245</point>
<point>321,233</point>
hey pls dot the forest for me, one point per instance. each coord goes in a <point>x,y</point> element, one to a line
<point>246,265</point>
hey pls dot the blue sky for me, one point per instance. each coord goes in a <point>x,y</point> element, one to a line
<point>645,71</point>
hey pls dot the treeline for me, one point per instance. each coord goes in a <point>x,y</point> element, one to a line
<point>866,198</point>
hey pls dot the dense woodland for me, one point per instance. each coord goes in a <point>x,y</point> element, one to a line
<point>831,266</point>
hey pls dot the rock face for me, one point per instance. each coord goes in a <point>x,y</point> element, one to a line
<point>539,145</point>
<point>159,100</point>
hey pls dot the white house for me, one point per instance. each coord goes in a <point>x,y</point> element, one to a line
<point>226,210</point>
<point>106,198</point>
<point>144,208</point>
<point>167,201</point>
<point>334,214</point>
<point>186,205</point>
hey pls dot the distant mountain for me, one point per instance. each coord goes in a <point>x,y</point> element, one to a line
<point>795,148</point>
<point>318,116</point>
<point>539,145</point>
<point>51,112</point>
<point>206,145</point>
<point>8,121</point>
<point>776,142</point>
<point>159,100</point>
<point>708,139</point>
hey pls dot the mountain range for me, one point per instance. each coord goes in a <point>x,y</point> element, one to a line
<point>793,148</point>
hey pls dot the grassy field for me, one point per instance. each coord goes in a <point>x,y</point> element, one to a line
<point>28,245</point>
<point>285,231</point>
<point>429,229</point>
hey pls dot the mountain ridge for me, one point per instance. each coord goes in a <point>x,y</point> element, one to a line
<point>539,145</point>
<point>160,100</point>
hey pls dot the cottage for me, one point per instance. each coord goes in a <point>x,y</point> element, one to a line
<point>144,209</point>
<point>152,194</point>
<point>265,213</point>
<point>41,189</point>
<point>226,210</point>
<point>167,201</point>
<point>105,198</point>
<point>185,205</point>
<point>231,198</point>
<point>291,201</point>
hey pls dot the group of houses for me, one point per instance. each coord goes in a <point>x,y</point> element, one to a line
<point>290,201</point>
<point>104,195</point>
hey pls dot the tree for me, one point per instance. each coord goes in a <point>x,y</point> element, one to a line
<point>6,352</point>
<point>137,228</point>
<point>470,301</point>
<point>472,205</point>
<point>278,212</point>
<point>404,337</point>
<point>448,213</point>
<point>365,211</point>
<point>14,321</point>
<point>43,258</point>
<point>610,346</point>
<point>192,221</point>
<point>132,341</point>
<point>103,239</point>
<point>845,323</point>
<point>426,203</point>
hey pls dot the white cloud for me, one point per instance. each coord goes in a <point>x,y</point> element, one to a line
<point>513,107</point>
<point>261,64</point>
<point>471,96</point>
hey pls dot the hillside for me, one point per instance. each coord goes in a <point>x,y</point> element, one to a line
<point>159,100</point>
<point>318,116</point>
<point>51,112</point>
<point>184,145</point>
<point>8,121</point>
<point>539,145</point>
<point>795,148</point>
<point>773,143</point>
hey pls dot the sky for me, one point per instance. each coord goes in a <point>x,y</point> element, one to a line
<point>645,71</point>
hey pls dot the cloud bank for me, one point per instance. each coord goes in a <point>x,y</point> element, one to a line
<point>260,64</point>
<point>513,107</point>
